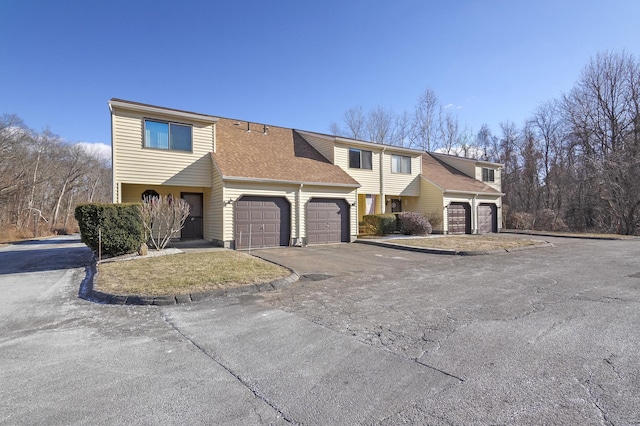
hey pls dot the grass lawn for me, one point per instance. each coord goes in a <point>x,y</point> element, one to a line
<point>185,273</point>
<point>467,242</point>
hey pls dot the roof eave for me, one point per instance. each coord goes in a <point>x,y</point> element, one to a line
<point>372,145</point>
<point>132,106</point>
<point>474,160</point>
<point>290,182</point>
<point>457,191</point>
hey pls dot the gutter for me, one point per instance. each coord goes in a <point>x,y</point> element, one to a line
<point>289,182</point>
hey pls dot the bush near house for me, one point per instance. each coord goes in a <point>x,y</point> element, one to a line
<point>414,223</point>
<point>120,224</point>
<point>380,224</point>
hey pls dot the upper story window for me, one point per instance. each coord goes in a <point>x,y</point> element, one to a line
<point>401,164</point>
<point>165,135</point>
<point>488,175</point>
<point>360,159</point>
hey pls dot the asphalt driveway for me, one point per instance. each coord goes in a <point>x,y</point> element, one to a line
<point>545,336</point>
<point>369,335</point>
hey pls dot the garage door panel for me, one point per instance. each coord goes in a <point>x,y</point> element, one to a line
<point>459,218</point>
<point>262,222</point>
<point>487,219</point>
<point>327,221</point>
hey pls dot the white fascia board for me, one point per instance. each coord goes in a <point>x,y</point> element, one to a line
<point>288,182</point>
<point>474,160</point>
<point>163,111</point>
<point>371,145</point>
<point>380,147</point>
<point>455,191</point>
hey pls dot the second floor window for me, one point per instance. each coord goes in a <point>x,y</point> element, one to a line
<point>401,164</point>
<point>488,175</point>
<point>359,159</point>
<point>164,135</point>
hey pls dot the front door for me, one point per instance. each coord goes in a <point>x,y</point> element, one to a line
<point>193,225</point>
<point>396,205</point>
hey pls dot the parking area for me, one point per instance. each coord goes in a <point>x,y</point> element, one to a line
<point>545,336</point>
<point>369,335</point>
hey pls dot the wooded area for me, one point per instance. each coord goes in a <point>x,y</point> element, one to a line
<point>573,165</point>
<point>43,178</point>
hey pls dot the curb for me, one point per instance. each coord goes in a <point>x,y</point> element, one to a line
<point>452,252</point>
<point>575,236</point>
<point>408,248</point>
<point>87,292</point>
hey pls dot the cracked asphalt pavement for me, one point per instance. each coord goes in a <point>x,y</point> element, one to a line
<point>369,335</point>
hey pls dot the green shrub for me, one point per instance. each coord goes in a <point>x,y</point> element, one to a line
<point>121,225</point>
<point>414,223</point>
<point>380,224</point>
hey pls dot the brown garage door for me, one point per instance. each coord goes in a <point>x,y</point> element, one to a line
<point>262,222</point>
<point>327,221</point>
<point>459,221</point>
<point>487,218</point>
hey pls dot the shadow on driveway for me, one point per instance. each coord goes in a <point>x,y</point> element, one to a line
<point>47,255</point>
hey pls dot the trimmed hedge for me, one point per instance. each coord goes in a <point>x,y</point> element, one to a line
<point>380,224</point>
<point>121,224</point>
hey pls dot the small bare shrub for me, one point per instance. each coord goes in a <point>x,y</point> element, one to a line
<point>163,218</point>
<point>379,224</point>
<point>547,220</point>
<point>414,223</point>
<point>520,220</point>
<point>434,217</point>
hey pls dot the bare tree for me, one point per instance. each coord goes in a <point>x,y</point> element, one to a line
<point>449,130</point>
<point>603,117</point>
<point>402,130</point>
<point>42,178</point>
<point>487,144</point>
<point>425,123</point>
<point>379,125</point>
<point>355,120</point>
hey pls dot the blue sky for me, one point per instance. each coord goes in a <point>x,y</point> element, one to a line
<point>297,64</point>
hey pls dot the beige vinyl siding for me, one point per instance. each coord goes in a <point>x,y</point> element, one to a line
<point>234,190</point>
<point>497,176</point>
<point>399,183</point>
<point>474,202</point>
<point>431,201</point>
<point>369,179</point>
<point>135,164</point>
<point>213,220</point>
<point>321,144</point>
<point>132,193</point>
<point>465,165</point>
<point>297,197</point>
<point>329,192</point>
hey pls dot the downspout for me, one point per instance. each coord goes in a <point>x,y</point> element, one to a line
<point>299,218</point>
<point>116,195</point>
<point>474,214</point>
<point>383,203</point>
